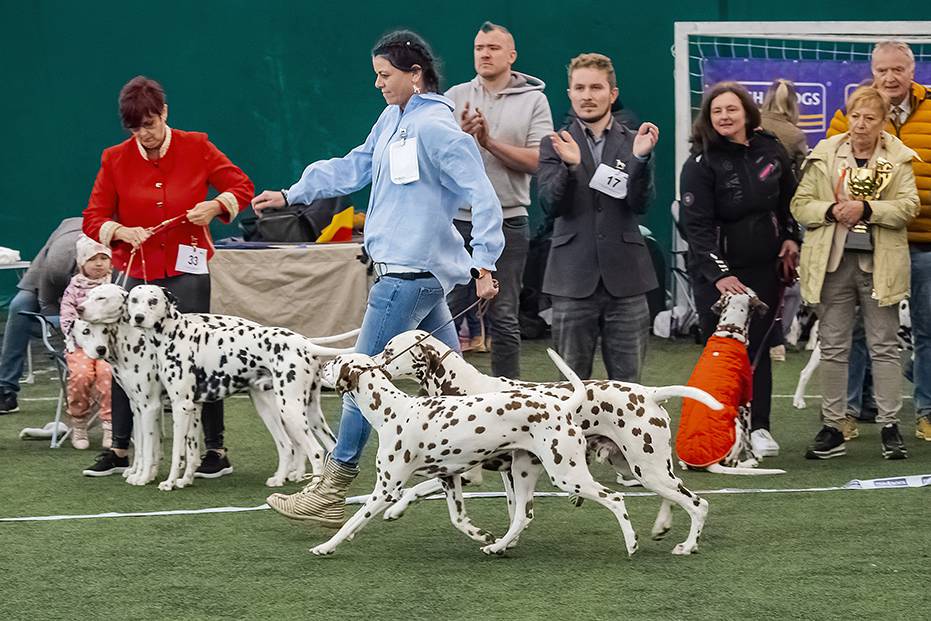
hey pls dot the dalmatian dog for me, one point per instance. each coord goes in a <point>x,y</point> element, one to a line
<point>107,329</point>
<point>719,440</point>
<point>904,335</point>
<point>203,357</point>
<point>447,436</point>
<point>623,423</point>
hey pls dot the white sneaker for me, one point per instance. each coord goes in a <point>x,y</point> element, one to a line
<point>79,437</point>
<point>763,443</point>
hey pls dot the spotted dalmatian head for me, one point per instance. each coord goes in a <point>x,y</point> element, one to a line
<point>344,371</point>
<point>93,338</point>
<point>149,304</point>
<point>413,354</point>
<point>736,311</point>
<point>103,304</point>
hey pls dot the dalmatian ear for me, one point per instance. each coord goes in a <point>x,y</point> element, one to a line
<point>718,306</point>
<point>758,305</point>
<point>432,359</point>
<point>170,297</point>
<point>348,378</point>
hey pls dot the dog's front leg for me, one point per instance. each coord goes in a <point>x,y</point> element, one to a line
<point>182,412</point>
<point>524,475</point>
<point>192,448</point>
<point>381,497</point>
<point>452,486</point>
<point>798,399</point>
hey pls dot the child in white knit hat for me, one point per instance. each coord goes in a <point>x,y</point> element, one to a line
<point>89,380</point>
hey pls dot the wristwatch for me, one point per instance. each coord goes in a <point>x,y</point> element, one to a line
<point>479,272</point>
<point>284,193</point>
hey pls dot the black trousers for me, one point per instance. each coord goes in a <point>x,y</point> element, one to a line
<point>765,283</point>
<point>193,294</point>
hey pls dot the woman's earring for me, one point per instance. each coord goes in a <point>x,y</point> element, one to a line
<point>416,89</point>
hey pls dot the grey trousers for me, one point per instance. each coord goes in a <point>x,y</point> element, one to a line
<point>622,323</point>
<point>841,292</point>
<point>503,310</point>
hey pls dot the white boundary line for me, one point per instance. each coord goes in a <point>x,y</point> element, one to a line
<point>905,481</point>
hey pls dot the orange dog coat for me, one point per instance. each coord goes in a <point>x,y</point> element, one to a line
<point>723,371</point>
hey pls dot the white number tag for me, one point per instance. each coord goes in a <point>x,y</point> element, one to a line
<point>610,181</point>
<point>403,161</point>
<point>191,260</point>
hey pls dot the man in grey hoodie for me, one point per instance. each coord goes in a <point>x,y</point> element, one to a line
<point>508,114</point>
<point>40,291</point>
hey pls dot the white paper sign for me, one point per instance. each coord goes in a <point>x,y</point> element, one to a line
<point>191,260</point>
<point>610,181</point>
<point>403,161</point>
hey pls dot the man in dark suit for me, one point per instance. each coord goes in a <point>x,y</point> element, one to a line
<point>596,176</point>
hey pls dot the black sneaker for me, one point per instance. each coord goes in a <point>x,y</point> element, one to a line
<point>8,403</point>
<point>828,443</point>
<point>107,463</point>
<point>893,445</point>
<point>213,465</point>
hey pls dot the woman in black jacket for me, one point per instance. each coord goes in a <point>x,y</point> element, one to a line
<point>735,190</point>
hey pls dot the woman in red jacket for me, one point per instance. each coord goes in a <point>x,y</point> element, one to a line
<point>162,175</point>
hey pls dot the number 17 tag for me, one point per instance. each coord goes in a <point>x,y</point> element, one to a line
<point>610,181</point>
<point>191,260</point>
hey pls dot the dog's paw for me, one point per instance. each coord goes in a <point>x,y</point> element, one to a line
<point>494,549</point>
<point>684,549</point>
<point>166,486</point>
<point>275,481</point>
<point>659,532</point>
<point>622,480</point>
<point>395,511</point>
<point>322,550</point>
<point>798,403</point>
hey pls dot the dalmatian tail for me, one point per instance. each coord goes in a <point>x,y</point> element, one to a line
<point>578,388</point>
<point>320,350</point>
<point>335,338</point>
<point>686,392</point>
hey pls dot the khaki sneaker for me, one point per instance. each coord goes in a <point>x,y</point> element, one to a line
<point>777,353</point>
<point>322,501</point>
<point>850,428</point>
<point>923,428</point>
<point>477,344</point>
<point>79,438</point>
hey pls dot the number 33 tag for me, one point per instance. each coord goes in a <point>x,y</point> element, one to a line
<point>610,181</point>
<point>191,260</point>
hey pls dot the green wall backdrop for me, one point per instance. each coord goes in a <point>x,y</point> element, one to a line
<point>279,84</point>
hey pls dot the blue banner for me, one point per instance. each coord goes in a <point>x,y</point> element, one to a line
<point>822,85</point>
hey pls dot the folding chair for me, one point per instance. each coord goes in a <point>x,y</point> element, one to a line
<point>61,366</point>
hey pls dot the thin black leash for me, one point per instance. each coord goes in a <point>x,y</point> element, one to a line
<point>780,306</point>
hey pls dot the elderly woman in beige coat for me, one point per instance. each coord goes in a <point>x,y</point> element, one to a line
<point>856,253</point>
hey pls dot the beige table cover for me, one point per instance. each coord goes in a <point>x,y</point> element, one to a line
<point>313,290</point>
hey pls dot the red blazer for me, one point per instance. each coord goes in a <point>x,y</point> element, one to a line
<point>723,371</point>
<point>137,192</point>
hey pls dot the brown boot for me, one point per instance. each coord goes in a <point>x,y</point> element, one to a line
<point>323,500</point>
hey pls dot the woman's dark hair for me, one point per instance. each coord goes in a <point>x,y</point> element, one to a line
<point>703,133</point>
<point>139,98</point>
<point>405,49</point>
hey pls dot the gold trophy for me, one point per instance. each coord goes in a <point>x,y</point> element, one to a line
<point>865,184</point>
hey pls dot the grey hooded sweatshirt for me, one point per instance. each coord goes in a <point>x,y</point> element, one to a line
<point>518,115</point>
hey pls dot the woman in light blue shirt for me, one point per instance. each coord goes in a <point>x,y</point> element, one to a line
<point>422,168</point>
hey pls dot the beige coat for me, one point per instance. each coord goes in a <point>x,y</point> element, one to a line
<point>892,212</point>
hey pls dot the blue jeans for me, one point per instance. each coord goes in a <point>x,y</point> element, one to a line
<point>394,306</point>
<point>16,337</point>
<point>920,308</point>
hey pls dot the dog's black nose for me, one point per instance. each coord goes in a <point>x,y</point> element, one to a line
<point>101,351</point>
<point>80,310</point>
<point>139,319</point>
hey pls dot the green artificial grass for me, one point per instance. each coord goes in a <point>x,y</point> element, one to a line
<point>799,555</point>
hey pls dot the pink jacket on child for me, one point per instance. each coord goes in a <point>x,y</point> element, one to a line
<point>74,294</point>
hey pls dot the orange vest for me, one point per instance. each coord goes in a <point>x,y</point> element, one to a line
<point>723,371</point>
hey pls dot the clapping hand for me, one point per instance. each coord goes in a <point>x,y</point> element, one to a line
<point>566,148</point>
<point>646,139</point>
